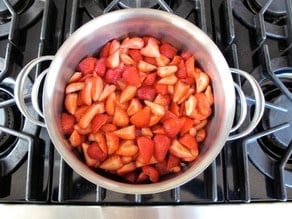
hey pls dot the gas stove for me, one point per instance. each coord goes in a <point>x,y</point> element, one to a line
<point>253,35</point>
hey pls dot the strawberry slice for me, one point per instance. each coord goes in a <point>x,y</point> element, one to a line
<point>85,93</point>
<point>162,61</point>
<point>127,133</point>
<point>131,76</point>
<point>112,142</point>
<point>172,126</point>
<point>149,79</point>
<point>74,87</point>
<point>164,71</point>
<point>67,123</point>
<point>185,55</point>
<point>203,109</point>
<point>112,163</point>
<point>127,148</point>
<point>120,117</point>
<point>146,93</point>
<point>133,43</point>
<point>99,138</point>
<point>100,66</point>
<point>125,58</point>
<point>114,46</point>
<point>151,49</point>
<point>104,51</point>
<point>167,50</point>
<point>146,149</point>
<point>173,164</point>
<point>176,60</point>
<point>181,71</point>
<point>163,100</point>
<point>161,88</point>
<point>97,87</point>
<point>113,60</point>
<point>145,66</point>
<point>150,60</point>
<point>141,118</point>
<point>155,108</point>
<point>151,172</point>
<point>134,107</point>
<point>162,144</point>
<point>128,93</point>
<point>135,55</point>
<point>89,161</point>
<point>70,102</point>
<point>75,77</point>
<point>201,135</point>
<point>108,89</point>
<point>92,110</point>
<point>179,150</point>
<point>180,91</point>
<point>98,121</point>
<point>126,168</point>
<point>190,67</point>
<point>75,139</point>
<point>87,65</point>
<point>189,141</point>
<point>202,82</point>
<point>95,152</point>
<point>112,75</point>
<point>187,125</point>
<point>110,104</point>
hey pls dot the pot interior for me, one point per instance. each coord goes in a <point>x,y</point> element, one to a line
<point>88,39</point>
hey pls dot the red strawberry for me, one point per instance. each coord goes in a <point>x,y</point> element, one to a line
<point>112,142</point>
<point>100,66</point>
<point>131,76</point>
<point>133,43</point>
<point>113,75</point>
<point>151,172</point>
<point>104,52</point>
<point>173,164</point>
<point>172,126</point>
<point>127,133</point>
<point>146,93</point>
<point>150,60</point>
<point>141,118</point>
<point>185,55</point>
<point>187,125</point>
<point>189,141</point>
<point>162,144</point>
<point>135,55</point>
<point>112,163</point>
<point>71,102</point>
<point>151,49</point>
<point>167,50</point>
<point>67,123</point>
<point>146,149</point>
<point>161,88</point>
<point>181,71</point>
<point>150,79</point>
<point>98,121</point>
<point>95,152</point>
<point>75,139</point>
<point>87,65</point>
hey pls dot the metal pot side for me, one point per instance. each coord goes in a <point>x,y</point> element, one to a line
<point>89,38</point>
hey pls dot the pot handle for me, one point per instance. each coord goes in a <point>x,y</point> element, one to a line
<point>259,105</point>
<point>19,88</point>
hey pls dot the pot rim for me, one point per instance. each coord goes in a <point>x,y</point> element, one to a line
<point>80,167</point>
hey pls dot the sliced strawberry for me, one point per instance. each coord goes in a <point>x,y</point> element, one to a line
<point>97,87</point>
<point>151,49</point>
<point>75,77</point>
<point>146,93</point>
<point>131,76</point>
<point>112,163</point>
<point>179,150</point>
<point>174,108</point>
<point>167,50</point>
<point>186,55</point>
<point>151,172</point>
<point>161,88</point>
<point>74,87</point>
<point>146,149</point>
<point>126,168</point>
<point>149,79</point>
<point>113,60</point>
<point>108,127</point>
<point>150,60</point>
<point>162,144</point>
<point>135,55</point>
<point>189,141</point>
<point>104,52</point>
<point>141,118</point>
<point>79,112</point>
<point>112,142</point>
<point>127,133</point>
<point>176,60</point>
<point>168,70</point>
<point>187,125</point>
<point>127,148</point>
<point>145,66</point>
<point>95,152</point>
<point>168,80</point>
<point>100,66</point>
<point>201,135</point>
<point>154,119</point>
<point>71,102</point>
<point>181,71</point>
<point>89,161</point>
<point>83,131</point>
<point>92,110</point>
<point>114,46</point>
<point>180,91</point>
<point>146,131</point>
<point>162,60</point>
<point>110,104</point>
<point>190,105</point>
<point>190,67</point>
<point>98,121</point>
<point>203,109</point>
<point>158,129</point>
<point>108,89</point>
<point>112,75</point>
<point>128,93</point>
<point>75,139</point>
<point>134,107</point>
<point>125,58</point>
<point>120,117</point>
<point>209,95</point>
<point>172,126</point>
<point>173,164</point>
<point>155,108</point>
<point>67,123</point>
<point>85,93</point>
<point>163,100</point>
<point>99,138</point>
<point>87,65</point>
<point>133,43</point>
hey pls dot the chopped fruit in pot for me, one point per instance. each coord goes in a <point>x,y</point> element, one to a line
<point>138,109</point>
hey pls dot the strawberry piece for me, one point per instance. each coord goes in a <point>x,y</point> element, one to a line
<point>146,149</point>
<point>189,141</point>
<point>151,172</point>
<point>209,95</point>
<point>128,93</point>
<point>168,80</point>
<point>89,161</point>
<point>108,89</point>
<point>145,66</point>
<point>87,65</point>
<point>202,81</point>
<point>112,142</point>
<point>85,93</point>
<point>127,133</point>
<point>112,163</point>
<point>203,109</point>
<point>83,131</point>
<point>162,61</point>
<point>141,118</point>
<point>141,178</point>
<point>150,60</point>
<point>67,123</point>
<point>190,105</point>
<point>70,102</point>
<point>179,150</point>
<point>174,108</point>
<point>104,52</point>
<point>112,75</point>
<point>126,59</point>
<point>162,144</point>
<point>176,60</point>
<point>190,67</point>
<point>156,109</point>
<point>167,50</point>
<point>161,88</point>
<point>75,139</point>
<point>133,43</point>
<point>180,91</point>
<point>120,117</point>
<point>131,177</point>
<point>127,148</point>
<point>75,77</point>
<point>113,60</point>
<point>98,121</point>
<point>163,100</point>
<point>149,79</point>
<point>181,71</point>
<point>108,127</point>
<point>146,93</point>
<point>172,126</point>
<point>201,135</point>
<point>187,125</point>
<point>110,104</point>
<point>164,71</point>
<point>186,55</point>
<point>100,66</point>
<point>135,55</point>
<point>99,138</point>
<point>114,46</point>
<point>79,112</point>
<point>95,152</point>
<point>97,87</point>
<point>134,107</point>
<point>131,76</point>
<point>173,164</point>
<point>74,87</point>
<point>92,110</point>
<point>126,168</point>
<point>151,49</point>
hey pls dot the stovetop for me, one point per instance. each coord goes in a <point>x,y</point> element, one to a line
<point>253,35</point>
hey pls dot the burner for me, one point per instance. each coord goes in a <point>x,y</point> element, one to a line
<point>138,3</point>
<point>276,8</point>
<point>26,10</point>
<point>13,148</point>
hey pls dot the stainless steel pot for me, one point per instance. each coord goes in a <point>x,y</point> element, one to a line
<point>89,38</point>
